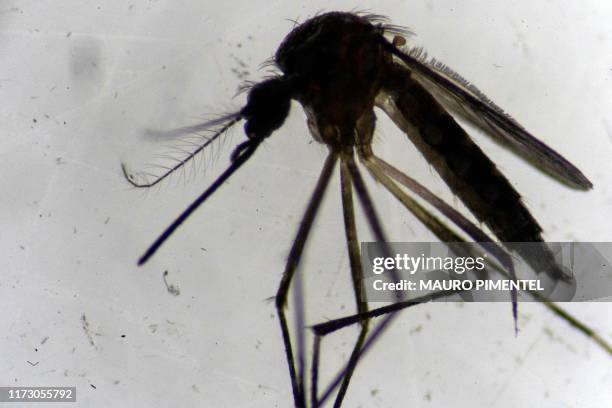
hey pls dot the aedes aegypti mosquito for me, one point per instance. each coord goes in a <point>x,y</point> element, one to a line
<point>339,66</point>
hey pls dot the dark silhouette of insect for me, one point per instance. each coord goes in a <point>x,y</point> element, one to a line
<point>339,66</point>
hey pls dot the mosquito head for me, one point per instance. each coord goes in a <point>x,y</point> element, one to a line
<point>267,107</point>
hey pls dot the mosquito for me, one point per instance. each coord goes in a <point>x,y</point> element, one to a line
<point>340,66</point>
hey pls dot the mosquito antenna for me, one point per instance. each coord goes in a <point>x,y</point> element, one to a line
<point>233,119</point>
<point>246,151</point>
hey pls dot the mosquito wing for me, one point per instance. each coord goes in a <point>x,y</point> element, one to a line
<point>462,97</point>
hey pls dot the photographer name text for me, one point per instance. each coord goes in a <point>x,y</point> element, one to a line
<point>459,284</point>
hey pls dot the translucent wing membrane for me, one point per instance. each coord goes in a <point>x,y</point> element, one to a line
<point>461,96</point>
<point>218,126</point>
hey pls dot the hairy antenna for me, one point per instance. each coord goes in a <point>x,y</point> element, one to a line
<point>232,118</point>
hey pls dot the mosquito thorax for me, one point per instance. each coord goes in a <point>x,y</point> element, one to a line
<point>267,107</point>
<point>337,64</point>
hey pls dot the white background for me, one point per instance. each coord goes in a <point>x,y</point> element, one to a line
<point>81,80</point>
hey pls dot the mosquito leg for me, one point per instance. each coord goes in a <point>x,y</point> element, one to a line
<point>376,227</point>
<point>314,373</point>
<point>477,234</point>
<point>323,329</point>
<point>343,379</point>
<point>290,268</point>
<point>356,273</point>
<point>377,166</point>
<point>331,326</point>
<point>443,233</point>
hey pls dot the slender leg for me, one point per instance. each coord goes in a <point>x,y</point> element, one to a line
<point>323,329</point>
<point>436,226</point>
<point>356,274</point>
<point>357,278</point>
<point>314,373</point>
<point>293,260</point>
<point>377,166</point>
<point>376,227</point>
<point>474,232</point>
<point>443,233</point>
<point>331,326</point>
<point>343,378</point>
<point>477,234</point>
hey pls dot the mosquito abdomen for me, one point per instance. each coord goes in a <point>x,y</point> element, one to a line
<point>465,168</point>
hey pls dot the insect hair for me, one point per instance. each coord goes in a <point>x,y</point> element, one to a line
<point>192,142</point>
<point>419,53</point>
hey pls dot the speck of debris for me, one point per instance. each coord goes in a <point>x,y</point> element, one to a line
<point>68,34</point>
<point>32,364</point>
<point>374,392</point>
<point>34,120</point>
<point>44,340</point>
<point>88,332</point>
<point>93,386</point>
<point>123,336</point>
<point>417,329</point>
<point>59,161</point>
<point>172,289</point>
<point>74,230</point>
<point>203,249</point>
<point>36,349</point>
<point>195,388</point>
<point>22,247</point>
<point>427,396</point>
<point>241,74</point>
<point>116,382</point>
<point>163,67</point>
